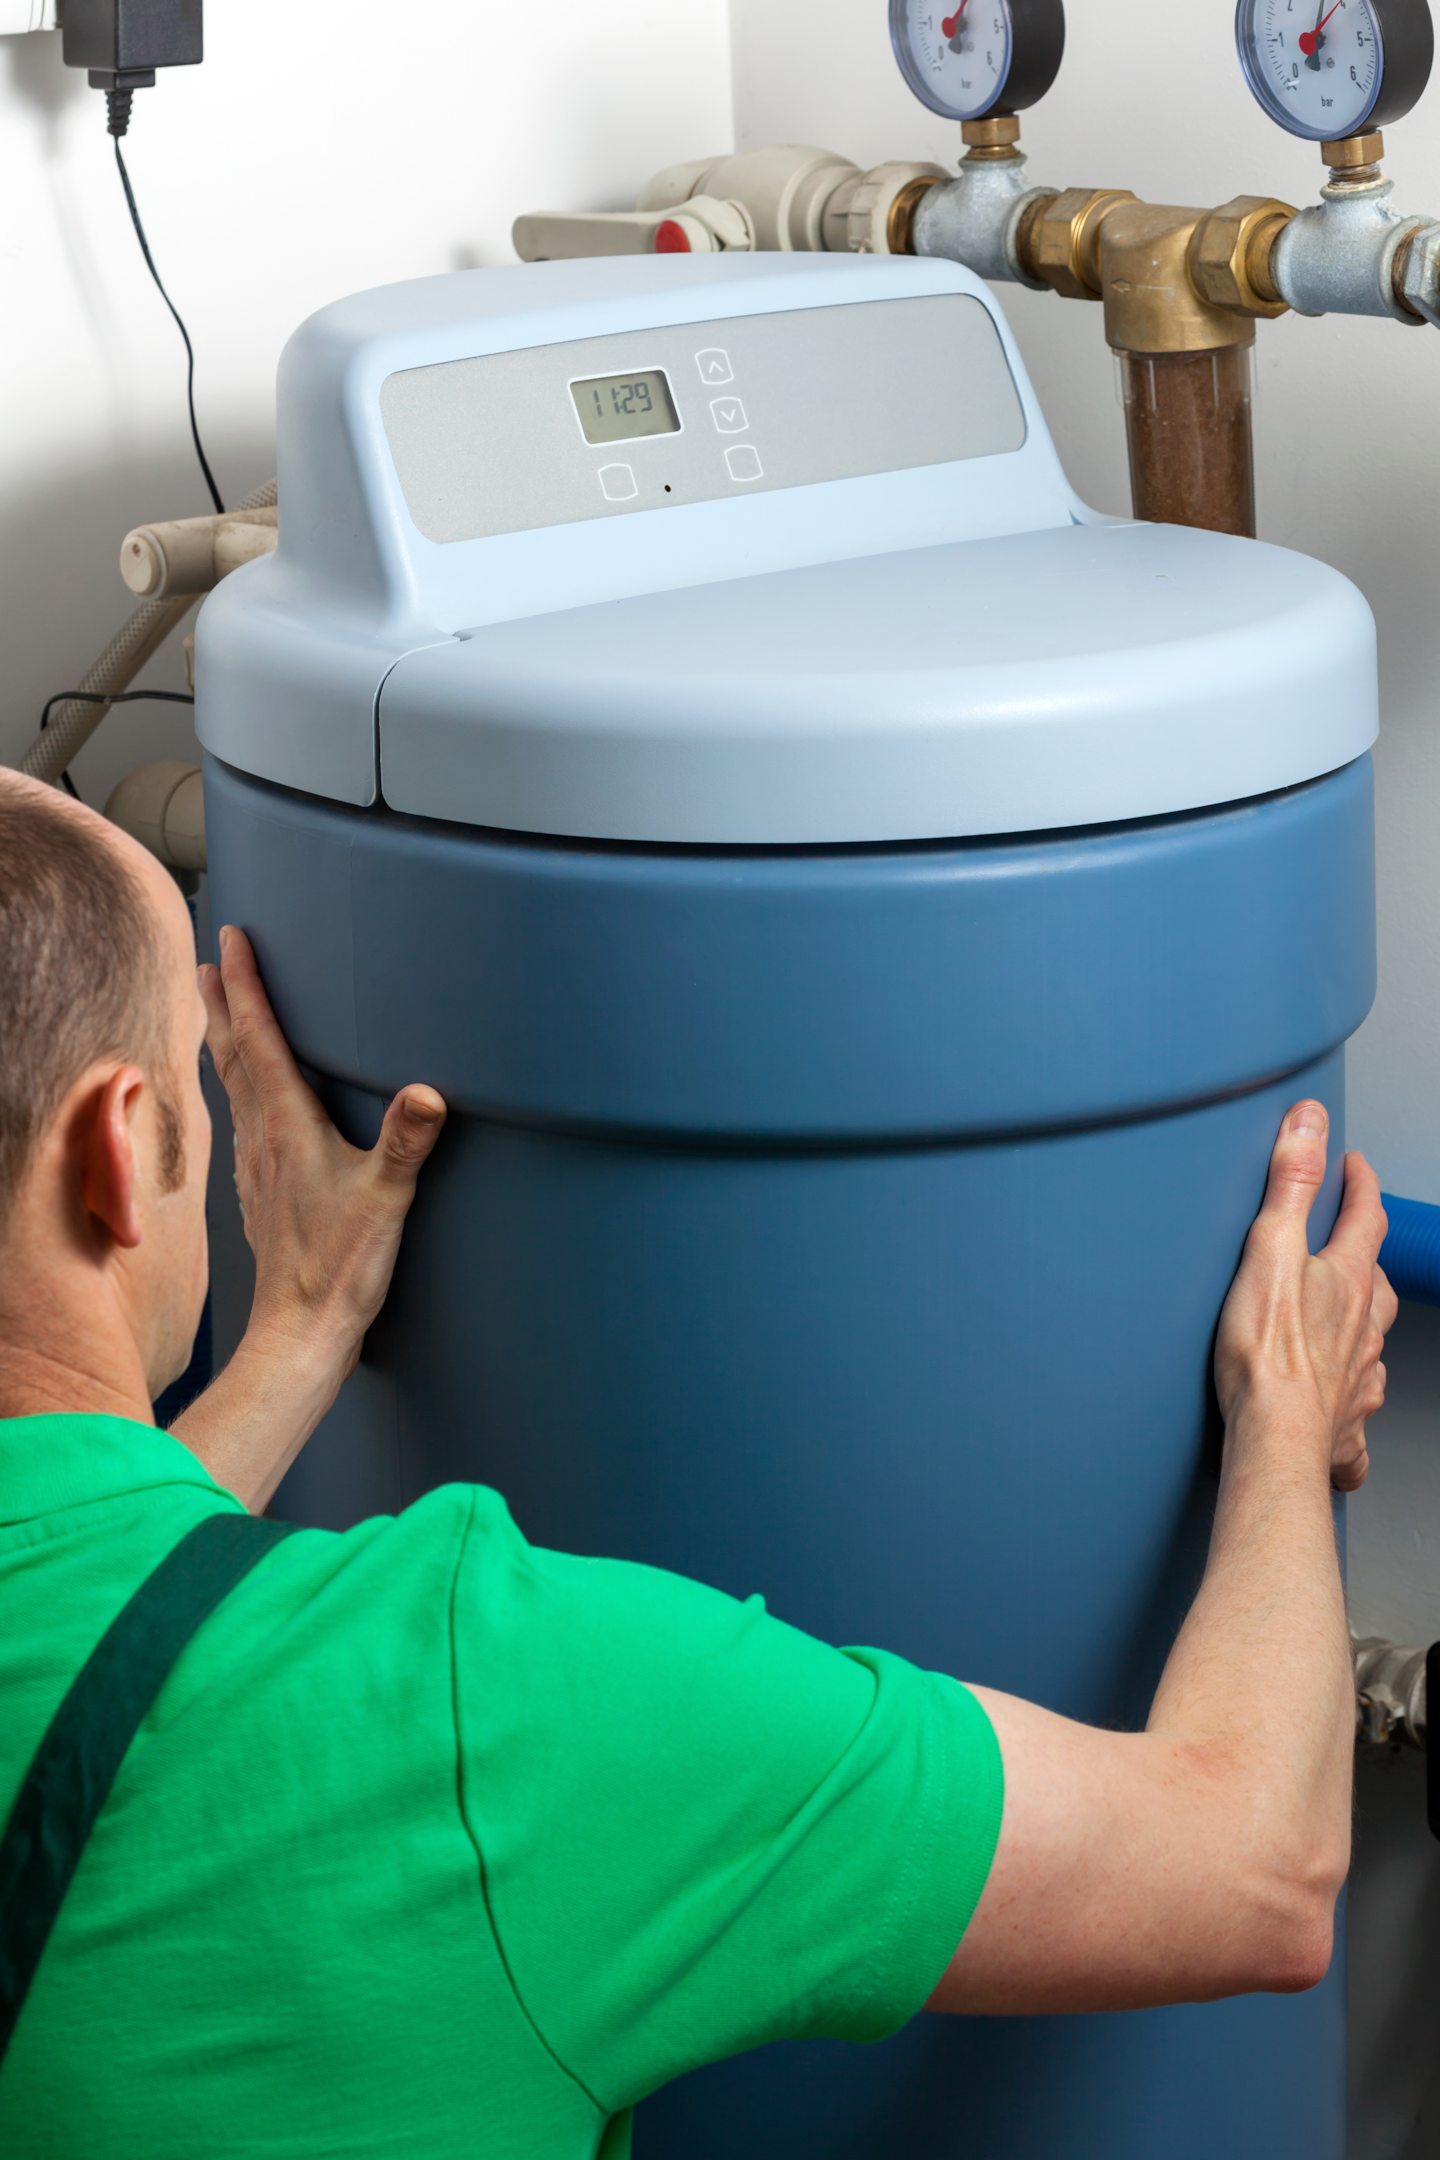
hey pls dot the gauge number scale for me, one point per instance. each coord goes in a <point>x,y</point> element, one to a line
<point>967,58</point>
<point>1326,69</point>
<point>961,54</point>
<point>1320,64</point>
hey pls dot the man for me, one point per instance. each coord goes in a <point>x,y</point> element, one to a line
<point>434,1843</point>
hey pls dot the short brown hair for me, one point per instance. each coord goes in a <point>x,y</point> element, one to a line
<point>82,976</point>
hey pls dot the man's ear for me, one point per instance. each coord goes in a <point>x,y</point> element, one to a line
<point>105,1140</point>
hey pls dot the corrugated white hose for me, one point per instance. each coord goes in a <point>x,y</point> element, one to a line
<point>73,723</point>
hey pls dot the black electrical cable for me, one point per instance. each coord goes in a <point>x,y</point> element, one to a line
<point>107,697</point>
<point>118,102</point>
<point>113,697</point>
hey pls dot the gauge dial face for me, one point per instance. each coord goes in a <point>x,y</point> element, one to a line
<point>954,54</point>
<point>1316,69</point>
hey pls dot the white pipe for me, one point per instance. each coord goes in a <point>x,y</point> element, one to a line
<point>163,806</point>
<point>190,555</point>
<point>75,721</point>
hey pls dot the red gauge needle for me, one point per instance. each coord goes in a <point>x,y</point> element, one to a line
<point>1310,39</point>
<point>951,23</point>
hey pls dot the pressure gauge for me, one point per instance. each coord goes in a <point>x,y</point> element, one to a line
<point>964,58</point>
<point>1349,65</point>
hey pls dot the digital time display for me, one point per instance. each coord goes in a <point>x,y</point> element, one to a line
<point>618,408</point>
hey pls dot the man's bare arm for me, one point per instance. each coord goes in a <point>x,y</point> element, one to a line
<point>324,1221</point>
<point>1203,1856</point>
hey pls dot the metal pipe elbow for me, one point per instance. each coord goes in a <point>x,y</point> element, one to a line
<point>975,220</point>
<point>1338,257</point>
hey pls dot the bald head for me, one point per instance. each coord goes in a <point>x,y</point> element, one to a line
<point>85,966</point>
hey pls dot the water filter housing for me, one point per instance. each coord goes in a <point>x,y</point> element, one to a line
<point>868,914</point>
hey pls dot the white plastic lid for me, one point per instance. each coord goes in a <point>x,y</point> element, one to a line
<point>1070,677</point>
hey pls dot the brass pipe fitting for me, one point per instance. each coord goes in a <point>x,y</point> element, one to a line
<point>1030,217</point>
<point>1172,279</point>
<point>900,218</point>
<point>1399,269</point>
<point>1230,255</point>
<point>1354,161</point>
<point>986,140</point>
<point>1060,243</point>
<point>1151,304</point>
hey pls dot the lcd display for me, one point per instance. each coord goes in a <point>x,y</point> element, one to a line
<point>618,408</point>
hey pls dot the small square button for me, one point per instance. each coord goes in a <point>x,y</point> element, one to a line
<point>714,365</point>
<point>743,460</point>
<point>618,482</point>
<point>729,415</point>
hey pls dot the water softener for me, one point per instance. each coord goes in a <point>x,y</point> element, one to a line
<point>868,915</point>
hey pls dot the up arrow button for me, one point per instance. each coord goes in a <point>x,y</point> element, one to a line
<point>714,365</point>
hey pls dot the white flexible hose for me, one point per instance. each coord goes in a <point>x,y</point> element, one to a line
<point>74,722</point>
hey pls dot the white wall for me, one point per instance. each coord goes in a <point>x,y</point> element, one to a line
<point>318,150</point>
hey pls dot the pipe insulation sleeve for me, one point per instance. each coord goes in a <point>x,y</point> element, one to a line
<point>73,723</point>
<point>1410,1255</point>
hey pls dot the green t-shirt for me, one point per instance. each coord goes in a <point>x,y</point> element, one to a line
<point>438,1844</point>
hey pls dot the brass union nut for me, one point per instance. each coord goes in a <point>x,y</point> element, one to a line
<point>1064,242</point>
<point>994,138</point>
<point>1230,255</point>
<point>1354,151</point>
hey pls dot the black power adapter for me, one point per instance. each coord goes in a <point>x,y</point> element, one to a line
<point>123,42</point>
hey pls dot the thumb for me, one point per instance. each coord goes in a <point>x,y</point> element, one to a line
<point>412,1126</point>
<point>1297,1167</point>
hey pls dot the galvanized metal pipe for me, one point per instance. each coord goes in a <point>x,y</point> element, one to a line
<point>1390,1691</point>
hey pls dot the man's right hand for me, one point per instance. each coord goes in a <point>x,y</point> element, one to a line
<point>1302,1333</point>
<point>323,1220</point>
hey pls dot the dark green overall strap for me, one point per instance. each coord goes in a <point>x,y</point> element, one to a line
<point>70,1779</point>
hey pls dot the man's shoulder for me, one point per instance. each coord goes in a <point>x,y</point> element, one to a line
<point>343,1642</point>
<point>388,1565</point>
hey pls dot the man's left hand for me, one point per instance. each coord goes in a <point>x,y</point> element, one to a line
<point>323,1220</point>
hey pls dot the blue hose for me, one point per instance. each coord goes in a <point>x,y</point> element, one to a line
<point>1410,1255</point>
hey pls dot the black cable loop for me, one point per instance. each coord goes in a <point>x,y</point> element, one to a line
<point>113,697</point>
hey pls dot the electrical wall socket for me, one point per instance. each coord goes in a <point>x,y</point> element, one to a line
<point>18,15</point>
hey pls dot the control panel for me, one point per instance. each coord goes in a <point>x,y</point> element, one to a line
<point>606,426</point>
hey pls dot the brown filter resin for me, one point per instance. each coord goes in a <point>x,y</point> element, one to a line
<point>1187,418</point>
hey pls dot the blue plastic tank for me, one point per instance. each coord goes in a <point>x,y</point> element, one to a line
<point>868,916</point>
